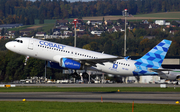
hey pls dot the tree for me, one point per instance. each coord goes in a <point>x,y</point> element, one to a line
<point>3,32</point>
<point>87,46</point>
<point>41,19</point>
<point>94,46</point>
<point>17,33</point>
<point>107,46</point>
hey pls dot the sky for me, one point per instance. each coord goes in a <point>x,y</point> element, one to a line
<point>74,0</point>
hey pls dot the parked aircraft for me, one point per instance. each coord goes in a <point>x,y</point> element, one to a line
<point>169,74</point>
<point>76,58</point>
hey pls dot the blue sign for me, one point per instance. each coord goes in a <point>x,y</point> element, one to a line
<point>50,44</point>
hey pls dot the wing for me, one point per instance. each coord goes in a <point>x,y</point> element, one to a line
<point>88,61</point>
<point>160,70</point>
<point>93,62</point>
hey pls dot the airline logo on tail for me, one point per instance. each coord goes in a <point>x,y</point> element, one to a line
<point>153,59</point>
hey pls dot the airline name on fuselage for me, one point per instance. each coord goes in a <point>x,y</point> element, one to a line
<point>50,44</point>
<point>72,64</point>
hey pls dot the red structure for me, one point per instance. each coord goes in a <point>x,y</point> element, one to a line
<point>75,22</point>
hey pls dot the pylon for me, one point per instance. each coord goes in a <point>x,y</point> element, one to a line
<point>101,99</point>
<point>133,106</point>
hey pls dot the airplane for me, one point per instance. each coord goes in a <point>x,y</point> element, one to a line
<point>169,74</point>
<point>69,57</point>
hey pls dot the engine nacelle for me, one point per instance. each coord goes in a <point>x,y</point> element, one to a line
<point>69,63</point>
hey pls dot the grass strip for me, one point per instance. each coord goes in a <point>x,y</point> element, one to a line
<point>88,89</point>
<point>41,106</point>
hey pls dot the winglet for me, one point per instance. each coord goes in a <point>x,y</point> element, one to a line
<point>126,57</point>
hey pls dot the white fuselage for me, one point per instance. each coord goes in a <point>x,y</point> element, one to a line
<point>51,51</point>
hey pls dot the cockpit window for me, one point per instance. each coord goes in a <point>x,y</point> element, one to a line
<point>19,41</point>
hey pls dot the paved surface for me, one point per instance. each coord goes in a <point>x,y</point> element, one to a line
<point>98,85</point>
<point>123,97</point>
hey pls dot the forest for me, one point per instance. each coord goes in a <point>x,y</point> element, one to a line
<point>26,11</point>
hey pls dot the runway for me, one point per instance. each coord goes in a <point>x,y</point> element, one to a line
<point>121,97</point>
<point>99,85</point>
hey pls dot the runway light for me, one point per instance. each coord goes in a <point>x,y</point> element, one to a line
<point>118,90</point>
<point>177,102</point>
<point>7,86</point>
<point>24,100</point>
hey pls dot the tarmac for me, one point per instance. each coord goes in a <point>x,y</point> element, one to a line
<point>120,97</point>
<point>100,85</point>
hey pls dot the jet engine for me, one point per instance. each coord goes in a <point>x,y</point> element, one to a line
<point>70,64</point>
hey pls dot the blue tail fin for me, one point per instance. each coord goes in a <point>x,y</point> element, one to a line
<point>153,59</point>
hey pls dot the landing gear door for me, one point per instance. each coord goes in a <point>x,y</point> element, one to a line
<point>30,45</point>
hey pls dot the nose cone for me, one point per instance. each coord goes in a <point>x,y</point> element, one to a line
<point>8,45</point>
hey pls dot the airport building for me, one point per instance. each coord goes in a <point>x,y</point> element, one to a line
<point>8,26</point>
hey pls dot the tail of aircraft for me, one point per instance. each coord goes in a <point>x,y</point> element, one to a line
<point>152,59</point>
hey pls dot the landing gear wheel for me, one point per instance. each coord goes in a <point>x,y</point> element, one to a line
<point>75,75</point>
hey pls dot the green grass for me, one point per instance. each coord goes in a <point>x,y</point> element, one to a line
<point>20,28</point>
<point>51,21</point>
<point>47,27</point>
<point>89,89</point>
<point>44,27</point>
<point>46,21</point>
<point>40,106</point>
<point>160,15</point>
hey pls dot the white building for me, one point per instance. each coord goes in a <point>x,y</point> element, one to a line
<point>40,34</point>
<point>94,22</point>
<point>160,22</point>
<point>98,33</point>
<point>147,79</point>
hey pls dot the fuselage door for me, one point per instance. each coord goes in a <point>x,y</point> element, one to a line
<point>30,45</point>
